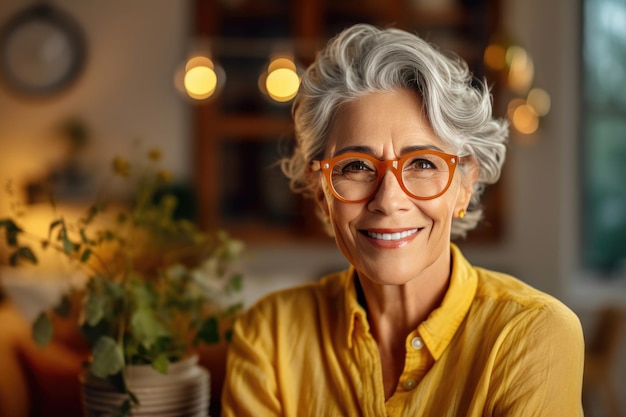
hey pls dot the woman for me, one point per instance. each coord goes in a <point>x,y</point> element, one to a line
<point>395,144</point>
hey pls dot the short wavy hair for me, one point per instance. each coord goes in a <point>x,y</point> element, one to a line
<point>364,59</point>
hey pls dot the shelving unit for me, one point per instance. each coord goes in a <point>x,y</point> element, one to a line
<point>237,135</point>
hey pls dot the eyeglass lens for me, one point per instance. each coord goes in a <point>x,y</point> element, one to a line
<point>424,176</point>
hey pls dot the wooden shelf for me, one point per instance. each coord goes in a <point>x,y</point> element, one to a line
<point>452,16</point>
<point>253,126</point>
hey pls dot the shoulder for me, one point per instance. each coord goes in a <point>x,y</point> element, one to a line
<point>500,297</point>
<point>522,305</point>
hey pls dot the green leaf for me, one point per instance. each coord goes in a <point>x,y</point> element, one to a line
<point>92,212</point>
<point>12,230</point>
<point>108,358</point>
<point>54,225</point>
<point>209,331</point>
<point>161,363</point>
<point>228,335</point>
<point>42,330</point>
<point>84,238</point>
<point>24,253</point>
<point>235,283</point>
<point>124,410</point>
<point>68,245</point>
<point>94,310</point>
<point>85,256</point>
<point>9,224</point>
<point>146,328</point>
<point>142,296</point>
<point>64,307</point>
<point>233,309</point>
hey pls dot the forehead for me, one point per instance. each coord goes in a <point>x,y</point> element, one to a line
<point>383,121</point>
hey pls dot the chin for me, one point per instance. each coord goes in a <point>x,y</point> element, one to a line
<point>387,275</point>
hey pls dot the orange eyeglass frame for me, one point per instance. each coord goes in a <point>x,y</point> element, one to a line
<point>326,166</point>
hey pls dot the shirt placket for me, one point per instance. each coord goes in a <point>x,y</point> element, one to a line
<point>418,361</point>
<point>366,372</point>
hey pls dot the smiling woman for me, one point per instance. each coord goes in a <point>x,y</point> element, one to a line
<point>395,143</point>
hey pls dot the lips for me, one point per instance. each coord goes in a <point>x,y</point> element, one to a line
<point>390,236</point>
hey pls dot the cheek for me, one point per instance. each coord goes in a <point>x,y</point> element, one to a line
<point>339,213</point>
<point>342,216</point>
<point>440,209</point>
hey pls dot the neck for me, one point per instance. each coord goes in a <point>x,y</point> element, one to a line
<point>396,310</point>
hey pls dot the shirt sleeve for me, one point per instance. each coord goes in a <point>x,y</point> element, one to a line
<point>540,369</point>
<point>250,387</point>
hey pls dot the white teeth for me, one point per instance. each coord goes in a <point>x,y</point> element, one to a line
<point>392,236</point>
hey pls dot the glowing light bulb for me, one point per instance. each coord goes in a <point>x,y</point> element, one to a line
<point>282,82</point>
<point>200,79</point>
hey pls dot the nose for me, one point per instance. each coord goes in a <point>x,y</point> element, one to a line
<point>390,197</point>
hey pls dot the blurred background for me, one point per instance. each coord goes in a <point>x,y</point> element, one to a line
<point>84,82</point>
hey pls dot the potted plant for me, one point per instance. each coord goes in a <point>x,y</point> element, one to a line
<point>157,286</point>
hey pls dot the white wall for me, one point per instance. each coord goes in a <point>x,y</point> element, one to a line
<point>125,93</point>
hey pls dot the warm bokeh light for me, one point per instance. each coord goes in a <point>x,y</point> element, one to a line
<point>200,79</point>
<point>513,105</point>
<point>282,81</point>
<point>199,61</point>
<point>525,119</point>
<point>281,63</point>
<point>200,82</point>
<point>521,69</point>
<point>495,57</point>
<point>539,100</point>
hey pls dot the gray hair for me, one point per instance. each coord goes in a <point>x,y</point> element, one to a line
<point>364,59</point>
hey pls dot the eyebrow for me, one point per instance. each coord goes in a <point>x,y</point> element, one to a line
<point>370,151</point>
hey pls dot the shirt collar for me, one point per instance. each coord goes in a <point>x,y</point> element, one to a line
<point>439,328</point>
<point>355,313</point>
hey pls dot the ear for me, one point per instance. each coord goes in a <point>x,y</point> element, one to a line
<point>468,179</point>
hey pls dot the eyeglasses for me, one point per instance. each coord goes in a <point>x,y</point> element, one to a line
<point>355,177</point>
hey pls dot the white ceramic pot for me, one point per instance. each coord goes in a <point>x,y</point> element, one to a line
<point>183,391</point>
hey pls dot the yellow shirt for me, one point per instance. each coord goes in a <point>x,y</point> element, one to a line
<point>495,347</point>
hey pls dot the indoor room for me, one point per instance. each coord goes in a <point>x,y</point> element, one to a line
<point>171,118</point>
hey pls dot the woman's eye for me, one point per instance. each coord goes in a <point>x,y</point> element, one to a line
<point>356,166</point>
<point>422,164</point>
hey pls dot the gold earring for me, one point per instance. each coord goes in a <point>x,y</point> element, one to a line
<point>461,213</point>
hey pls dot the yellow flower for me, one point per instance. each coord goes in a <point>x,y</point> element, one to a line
<point>164,176</point>
<point>155,155</point>
<point>121,167</point>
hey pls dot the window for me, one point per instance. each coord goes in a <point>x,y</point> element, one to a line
<point>603,156</point>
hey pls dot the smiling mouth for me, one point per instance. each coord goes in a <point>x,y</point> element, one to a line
<point>391,236</point>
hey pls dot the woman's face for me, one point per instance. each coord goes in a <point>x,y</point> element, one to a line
<point>385,125</point>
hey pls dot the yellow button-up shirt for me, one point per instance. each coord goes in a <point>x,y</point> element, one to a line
<point>494,347</point>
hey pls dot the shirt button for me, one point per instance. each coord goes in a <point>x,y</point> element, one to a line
<point>417,343</point>
<point>409,384</point>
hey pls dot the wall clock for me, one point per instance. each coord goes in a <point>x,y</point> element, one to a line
<point>42,51</point>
